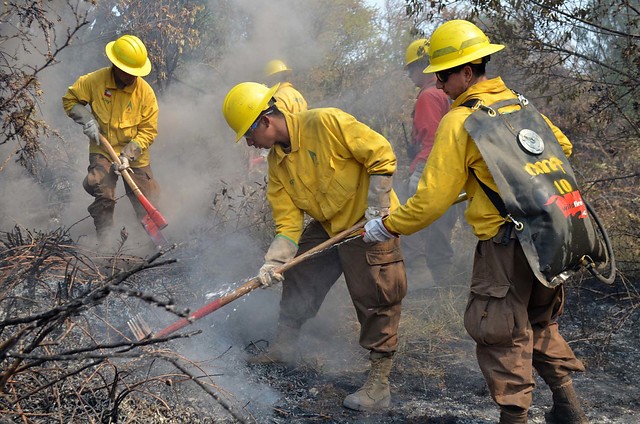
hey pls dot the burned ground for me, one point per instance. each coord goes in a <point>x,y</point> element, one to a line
<point>437,380</point>
<point>67,355</point>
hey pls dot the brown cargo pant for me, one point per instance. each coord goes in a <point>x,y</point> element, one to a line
<point>513,319</point>
<point>100,182</point>
<point>375,277</point>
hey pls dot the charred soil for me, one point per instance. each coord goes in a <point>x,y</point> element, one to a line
<point>66,355</point>
<point>436,379</point>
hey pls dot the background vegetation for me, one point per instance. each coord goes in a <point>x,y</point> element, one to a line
<point>578,61</point>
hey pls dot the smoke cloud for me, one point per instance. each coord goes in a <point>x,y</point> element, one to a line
<point>194,155</point>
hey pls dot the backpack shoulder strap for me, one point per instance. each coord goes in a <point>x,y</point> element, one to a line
<point>493,196</point>
<point>471,103</point>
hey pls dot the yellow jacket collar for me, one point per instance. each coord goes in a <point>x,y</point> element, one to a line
<point>492,86</point>
<point>111,83</point>
<point>294,138</point>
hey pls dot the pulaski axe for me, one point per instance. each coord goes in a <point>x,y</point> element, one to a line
<point>153,221</point>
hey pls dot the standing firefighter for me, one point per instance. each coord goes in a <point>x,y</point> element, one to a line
<point>124,110</point>
<point>524,208</point>
<point>288,99</point>
<point>325,163</point>
<point>431,246</point>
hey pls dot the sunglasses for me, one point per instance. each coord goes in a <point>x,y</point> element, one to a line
<point>253,127</point>
<point>443,76</point>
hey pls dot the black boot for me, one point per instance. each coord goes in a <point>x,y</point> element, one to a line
<point>566,407</point>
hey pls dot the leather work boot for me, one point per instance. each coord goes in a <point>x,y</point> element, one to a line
<point>374,394</point>
<point>282,350</point>
<point>566,407</point>
<point>513,415</point>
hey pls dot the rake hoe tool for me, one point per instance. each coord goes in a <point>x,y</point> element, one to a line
<point>141,330</point>
<point>153,221</point>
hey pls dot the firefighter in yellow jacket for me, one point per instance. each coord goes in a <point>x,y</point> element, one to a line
<point>124,110</point>
<point>288,99</point>
<point>511,315</point>
<point>325,163</point>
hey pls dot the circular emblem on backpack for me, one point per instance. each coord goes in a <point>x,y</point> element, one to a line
<point>530,142</point>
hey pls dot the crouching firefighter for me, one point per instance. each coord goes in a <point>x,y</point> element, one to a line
<point>527,212</point>
<point>337,170</point>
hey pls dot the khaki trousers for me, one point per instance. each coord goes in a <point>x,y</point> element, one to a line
<point>513,319</point>
<point>100,182</point>
<point>375,277</point>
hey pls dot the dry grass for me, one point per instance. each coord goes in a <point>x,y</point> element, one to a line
<point>66,354</point>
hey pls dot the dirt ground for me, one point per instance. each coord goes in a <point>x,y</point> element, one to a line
<point>444,385</point>
<point>435,378</point>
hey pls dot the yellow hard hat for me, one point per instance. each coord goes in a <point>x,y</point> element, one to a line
<point>416,51</point>
<point>458,42</point>
<point>243,104</point>
<point>275,67</point>
<point>129,54</point>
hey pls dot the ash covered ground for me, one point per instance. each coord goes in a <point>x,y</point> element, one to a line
<point>435,378</point>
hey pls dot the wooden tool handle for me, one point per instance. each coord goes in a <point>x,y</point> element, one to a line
<point>254,282</point>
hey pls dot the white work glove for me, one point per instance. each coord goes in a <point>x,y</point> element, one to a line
<point>415,177</point>
<point>376,232</point>
<point>124,164</point>
<point>268,275</point>
<point>378,197</point>
<point>130,152</point>
<point>373,213</point>
<point>281,251</point>
<point>92,130</point>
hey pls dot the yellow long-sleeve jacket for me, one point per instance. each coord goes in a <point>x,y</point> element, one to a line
<point>289,99</point>
<point>124,114</point>
<point>448,168</point>
<point>326,173</point>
